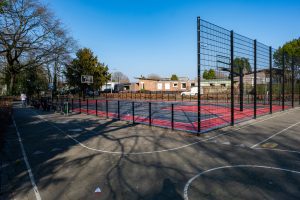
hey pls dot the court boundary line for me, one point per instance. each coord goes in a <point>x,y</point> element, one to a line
<point>29,170</point>
<point>283,130</point>
<point>282,150</point>
<point>187,185</point>
<point>151,152</point>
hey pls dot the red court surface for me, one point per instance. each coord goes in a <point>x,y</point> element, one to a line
<point>212,116</point>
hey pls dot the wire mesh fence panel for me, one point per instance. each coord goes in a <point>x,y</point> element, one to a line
<point>101,108</point>
<point>84,107</point>
<point>126,110</point>
<point>183,116</point>
<point>141,112</point>
<point>244,75</point>
<point>161,114</point>
<point>75,105</point>
<point>276,81</point>
<point>297,80</point>
<point>111,107</point>
<point>263,79</point>
<point>288,81</point>
<point>215,61</point>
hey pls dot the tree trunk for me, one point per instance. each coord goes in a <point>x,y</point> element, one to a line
<point>12,83</point>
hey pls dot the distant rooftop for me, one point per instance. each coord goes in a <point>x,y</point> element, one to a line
<point>162,79</point>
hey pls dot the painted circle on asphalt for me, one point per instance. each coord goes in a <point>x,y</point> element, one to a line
<point>244,182</point>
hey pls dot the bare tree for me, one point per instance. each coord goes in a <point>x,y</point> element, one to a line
<point>154,76</point>
<point>120,77</point>
<point>29,36</point>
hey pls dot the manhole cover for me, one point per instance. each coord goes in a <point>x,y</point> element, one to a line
<point>269,145</point>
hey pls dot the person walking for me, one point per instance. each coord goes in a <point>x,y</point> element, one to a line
<point>23,99</point>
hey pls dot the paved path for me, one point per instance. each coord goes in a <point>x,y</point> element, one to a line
<point>70,157</point>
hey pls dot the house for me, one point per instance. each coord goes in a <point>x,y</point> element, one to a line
<point>163,84</point>
<point>262,77</point>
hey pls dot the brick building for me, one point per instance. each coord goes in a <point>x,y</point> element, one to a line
<point>163,84</point>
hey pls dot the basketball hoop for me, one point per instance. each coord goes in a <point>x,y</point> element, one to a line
<point>87,79</point>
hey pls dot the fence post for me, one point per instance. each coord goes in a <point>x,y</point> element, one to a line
<point>283,79</point>
<point>255,77</point>
<point>79,106</point>
<point>168,96</point>
<point>293,80</point>
<point>133,112</point>
<point>150,114</point>
<point>87,106</point>
<point>96,107</point>
<point>106,108</point>
<point>241,88</point>
<point>72,106</point>
<point>231,77</point>
<point>271,82</point>
<point>198,79</point>
<point>119,110</point>
<point>172,117</point>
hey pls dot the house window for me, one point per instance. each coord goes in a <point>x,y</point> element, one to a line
<point>142,85</point>
<point>193,84</point>
<point>223,85</point>
<point>175,84</point>
<point>183,85</point>
<point>159,86</point>
<point>167,86</point>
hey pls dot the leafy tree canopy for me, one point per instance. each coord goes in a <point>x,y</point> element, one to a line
<point>174,77</point>
<point>210,74</point>
<point>292,51</point>
<point>2,4</point>
<point>86,63</point>
<point>241,65</point>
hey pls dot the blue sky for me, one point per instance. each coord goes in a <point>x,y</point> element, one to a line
<point>140,37</point>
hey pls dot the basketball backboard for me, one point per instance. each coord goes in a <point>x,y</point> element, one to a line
<point>87,79</point>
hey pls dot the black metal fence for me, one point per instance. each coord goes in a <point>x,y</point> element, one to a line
<point>258,79</point>
<point>239,79</point>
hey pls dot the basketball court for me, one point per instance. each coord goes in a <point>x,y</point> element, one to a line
<point>87,157</point>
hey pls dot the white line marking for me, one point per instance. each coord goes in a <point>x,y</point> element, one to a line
<point>35,189</point>
<point>256,122</point>
<point>150,152</point>
<point>283,150</point>
<point>186,187</point>
<point>277,114</point>
<point>291,126</point>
